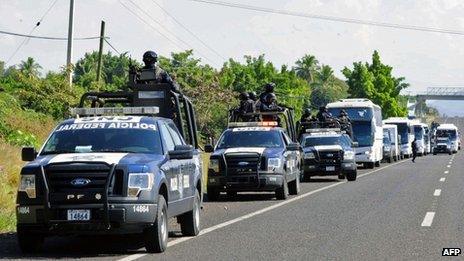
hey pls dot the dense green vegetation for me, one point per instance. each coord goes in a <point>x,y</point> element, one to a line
<point>31,101</point>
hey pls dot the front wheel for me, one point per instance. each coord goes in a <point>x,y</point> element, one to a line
<point>28,242</point>
<point>351,176</point>
<point>282,192</point>
<point>294,187</point>
<point>369,165</point>
<point>190,221</point>
<point>156,237</point>
<point>213,194</point>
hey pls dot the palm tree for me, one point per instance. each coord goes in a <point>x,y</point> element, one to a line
<point>30,68</point>
<point>325,75</point>
<point>307,67</point>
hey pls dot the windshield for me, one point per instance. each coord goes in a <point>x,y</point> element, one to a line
<point>130,140</point>
<point>234,139</point>
<point>418,132</point>
<point>362,133</point>
<point>403,131</point>
<point>355,114</point>
<point>447,133</point>
<point>386,138</point>
<point>316,141</point>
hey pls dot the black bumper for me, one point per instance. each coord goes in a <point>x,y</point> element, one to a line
<point>122,219</point>
<point>314,168</point>
<point>244,183</point>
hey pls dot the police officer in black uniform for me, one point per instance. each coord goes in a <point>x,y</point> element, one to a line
<point>247,105</point>
<point>150,58</point>
<point>268,89</point>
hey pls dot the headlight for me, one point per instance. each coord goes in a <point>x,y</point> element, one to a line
<point>349,155</point>
<point>27,185</point>
<point>273,163</point>
<point>138,182</point>
<point>309,155</point>
<point>367,152</point>
<point>214,165</point>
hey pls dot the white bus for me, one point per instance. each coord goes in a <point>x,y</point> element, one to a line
<point>392,131</point>
<point>406,133</point>
<point>421,137</point>
<point>451,131</point>
<point>366,120</point>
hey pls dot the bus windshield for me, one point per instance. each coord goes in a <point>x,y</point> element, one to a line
<point>355,114</point>
<point>447,133</point>
<point>418,132</point>
<point>403,131</point>
<point>363,133</point>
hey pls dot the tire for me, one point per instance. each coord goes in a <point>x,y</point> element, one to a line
<point>231,194</point>
<point>390,160</point>
<point>395,159</point>
<point>449,153</point>
<point>28,242</point>
<point>341,176</point>
<point>369,165</point>
<point>351,176</point>
<point>294,186</point>
<point>282,192</point>
<point>156,237</point>
<point>213,194</point>
<point>190,221</point>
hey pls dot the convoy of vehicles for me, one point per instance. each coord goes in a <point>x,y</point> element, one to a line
<point>131,160</point>
<point>328,152</point>
<point>366,121</point>
<point>406,133</point>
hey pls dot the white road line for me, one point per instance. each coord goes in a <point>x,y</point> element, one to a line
<point>437,192</point>
<point>448,166</point>
<point>261,211</point>
<point>442,179</point>
<point>428,219</point>
<point>446,171</point>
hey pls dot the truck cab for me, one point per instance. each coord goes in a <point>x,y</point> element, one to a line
<point>114,170</point>
<point>328,152</point>
<point>254,157</point>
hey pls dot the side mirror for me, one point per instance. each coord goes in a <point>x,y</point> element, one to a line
<point>355,144</point>
<point>209,148</point>
<point>28,154</point>
<point>181,152</point>
<point>293,146</point>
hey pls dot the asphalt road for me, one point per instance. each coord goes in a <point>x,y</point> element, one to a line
<point>382,215</point>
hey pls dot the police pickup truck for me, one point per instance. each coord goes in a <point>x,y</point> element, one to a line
<point>115,170</point>
<point>328,152</point>
<point>254,156</point>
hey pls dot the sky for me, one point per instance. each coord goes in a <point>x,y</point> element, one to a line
<point>425,59</point>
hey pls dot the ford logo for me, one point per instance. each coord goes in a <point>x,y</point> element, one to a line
<point>80,182</point>
<point>243,163</point>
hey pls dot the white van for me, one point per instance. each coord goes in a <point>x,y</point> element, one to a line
<point>392,131</point>
<point>406,133</point>
<point>366,120</point>
<point>451,131</point>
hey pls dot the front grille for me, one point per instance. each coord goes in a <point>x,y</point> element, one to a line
<point>242,163</point>
<point>62,191</point>
<point>330,157</point>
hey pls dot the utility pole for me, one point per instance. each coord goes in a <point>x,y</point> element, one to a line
<point>100,50</point>
<point>70,43</point>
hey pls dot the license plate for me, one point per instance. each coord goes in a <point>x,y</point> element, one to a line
<point>78,214</point>
<point>330,168</point>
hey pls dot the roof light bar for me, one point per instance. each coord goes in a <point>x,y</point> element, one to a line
<point>317,130</point>
<point>253,124</point>
<point>114,111</point>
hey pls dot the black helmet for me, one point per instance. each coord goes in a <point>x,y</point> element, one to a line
<point>150,57</point>
<point>253,96</point>
<point>244,96</point>
<point>322,108</point>
<point>269,87</point>
<point>270,98</point>
<point>307,111</point>
<point>343,112</point>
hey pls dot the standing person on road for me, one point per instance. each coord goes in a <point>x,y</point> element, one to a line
<point>414,150</point>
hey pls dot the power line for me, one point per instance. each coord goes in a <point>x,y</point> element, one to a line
<point>189,31</point>
<point>48,37</point>
<point>161,25</point>
<point>332,18</point>
<point>112,47</point>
